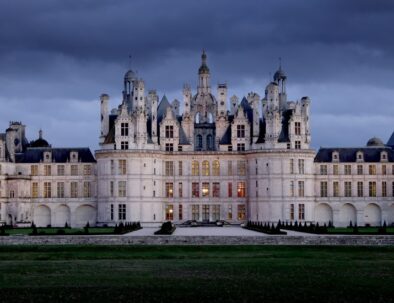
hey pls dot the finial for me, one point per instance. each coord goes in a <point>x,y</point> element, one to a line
<point>129,61</point>
<point>204,56</point>
<point>40,134</point>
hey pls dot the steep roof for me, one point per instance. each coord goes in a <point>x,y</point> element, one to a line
<point>349,154</point>
<point>59,155</point>
<point>284,134</point>
<point>162,108</point>
<point>390,142</point>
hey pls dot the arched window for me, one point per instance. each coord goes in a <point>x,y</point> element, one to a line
<point>205,168</point>
<point>198,142</point>
<point>210,118</point>
<point>195,168</point>
<point>209,142</point>
<point>197,118</point>
<point>216,168</point>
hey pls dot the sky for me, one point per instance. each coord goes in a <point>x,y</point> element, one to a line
<point>57,57</point>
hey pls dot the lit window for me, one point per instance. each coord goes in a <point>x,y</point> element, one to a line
<point>372,169</point>
<point>169,212</point>
<point>216,168</point>
<point>195,190</point>
<point>34,190</point>
<point>205,189</point>
<point>205,168</point>
<point>169,189</point>
<point>241,190</point>
<point>241,212</point>
<point>216,189</point>
<point>195,168</point>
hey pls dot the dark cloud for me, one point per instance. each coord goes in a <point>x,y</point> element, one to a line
<point>56,57</point>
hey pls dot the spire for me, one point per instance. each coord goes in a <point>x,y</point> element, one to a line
<point>40,134</point>
<point>204,67</point>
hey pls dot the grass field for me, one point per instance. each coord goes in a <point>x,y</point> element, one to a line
<point>196,274</point>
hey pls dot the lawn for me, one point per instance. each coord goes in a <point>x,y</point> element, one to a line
<point>196,274</point>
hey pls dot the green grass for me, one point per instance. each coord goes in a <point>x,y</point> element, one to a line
<point>196,274</point>
<point>53,230</point>
<point>361,230</point>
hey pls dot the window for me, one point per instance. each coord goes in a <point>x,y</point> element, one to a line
<point>122,167</point>
<point>241,167</point>
<point>112,212</point>
<point>112,167</point>
<point>195,212</point>
<point>209,142</point>
<point>198,142</point>
<point>87,191</point>
<point>372,169</point>
<point>169,147</point>
<point>301,166</point>
<point>230,148</point>
<point>169,168</point>
<point>216,189</point>
<point>195,190</point>
<point>240,131</point>
<point>169,189</point>
<point>360,189</point>
<point>111,188</point>
<point>359,169</point>
<point>292,188</point>
<point>195,168</point>
<point>60,170</point>
<point>230,189</point>
<point>372,189</point>
<point>291,212</point>
<point>12,194</point>
<point>384,189</point>
<point>215,212</point>
<point>230,212</point>
<point>335,186</point>
<point>180,189</point>
<point>47,170</point>
<point>301,191</point>
<point>124,129</point>
<point>301,212</point>
<point>348,189</point>
<point>122,212</point>
<point>297,128</point>
<point>229,168</point>
<point>291,166</point>
<point>124,145</point>
<point>205,189</point>
<point>297,144</point>
<point>87,170</point>
<point>241,190</point>
<point>323,189</point>
<point>74,170</point>
<point>241,212</point>
<point>74,189</point>
<point>169,212</point>
<point>384,170</point>
<point>348,169</point>
<point>335,169</point>
<point>216,168</point>
<point>47,190</point>
<point>323,169</point>
<point>122,188</point>
<point>241,147</point>
<point>180,168</point>
<point>180,148</point>
<point>205,168</point>
<point>180,212</point>
<point>34,190</point>
<point>60,189</point>
<point>34,170</point>
<point>169,131</point>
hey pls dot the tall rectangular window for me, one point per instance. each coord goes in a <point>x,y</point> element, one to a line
<point>34,190</point>
<point>348,169</point>
<point>122,167</point>
<point>47,190</point>
<point>112,167</point>
<point>323,169</point>
<point>74,189</point>
<point>240,131</point>
<point>384,189</point>
<point>111,188</point>
<point>230,212</point>
<point>241,212</point>
<point>292,188</point>
<point>291,212</point>
<point>301,212</point>
<point>301,166</point>
<point>230,189</point>
<point>180,168</point>
<point>241,190</point>
<point>60,170</point>
<point>384,170</point>
<point>335,186</point>
<point>297,128</point>
<point>291,166</point>
<point>169,189</point>
<point>216,189</point>
<point>47,170</point>
<point>323,189</point>
<point>195,190</point>
<point>205,189</point>
<point>372,189</point>
<point>169,147</point>
<point>360,189</point>
<point>348,189</point>
<point>372,169</point>
<point>124,129</point>
<point>297,144</point>
<point>195,212</point>
<point>169,168</point>
<point>87,170</point>
<point>122,188</point>
<point>169,131</point>
<point>241,167</point>
<point>124,145</point>
<point>74,170</point>
<point>87,190</point>
<point>180,190</point>
<point>34,170</point>
<point>301,191</point>
<point>335,169</point>
<point>195,168</point>
<point>180,212</point>
<point>112,212</point>
<point>215,212</point>
<point>122,212</point>
<point>240,146</point>
<point>169,212</point>
<point>360,169</point>
<point>216,168</point>
<point>229,168</point>
<point>60,189</point>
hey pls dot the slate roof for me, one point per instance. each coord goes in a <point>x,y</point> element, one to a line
<point>162,108</point>
<point>226,139</point>
<point>261,138</point>
<point>349,154</point>
<point>247,109</point>
<point>110,138</point>
<point>284,134</point>
<point>390,142</point>
<point>59,155</point>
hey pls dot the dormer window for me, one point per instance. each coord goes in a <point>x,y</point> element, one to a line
<point>360,156</point>
<point>383,156</point>
<point>240,131</point>
<point>169,131</point>
<point>335,156</point>
<point>74,156</point>
<point>47,156</point>
<point>124,129</point>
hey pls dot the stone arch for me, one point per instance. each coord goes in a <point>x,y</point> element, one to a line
<point>209,142</point>
<point>83,214</point>
<point>42,216</point>
<point>197,118</point>
<point>372,215</point>
<point>323,213</point>
<point>347,213</point>
<point>62,215</point>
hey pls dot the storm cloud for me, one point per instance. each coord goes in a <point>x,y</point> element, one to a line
<point>57,57</point>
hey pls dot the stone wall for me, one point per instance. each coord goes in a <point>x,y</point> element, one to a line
<point>196,240</point>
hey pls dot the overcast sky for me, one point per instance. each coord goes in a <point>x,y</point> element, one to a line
<point>57,57</point>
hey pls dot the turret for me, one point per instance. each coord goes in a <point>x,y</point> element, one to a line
<point>204,86</point>
<point>234,104</point>
<point>10,143</point>
<point>187,93</point>
<point>254,102</point>
<point>280,78</point>
<point>153,100</point>
<point>138,94</point>
<point>104,100</point>
<point>175,105</point>
<point>128,83</point>
<point>222,99</point>
<point>272,96</point>
<point>305,111</point>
